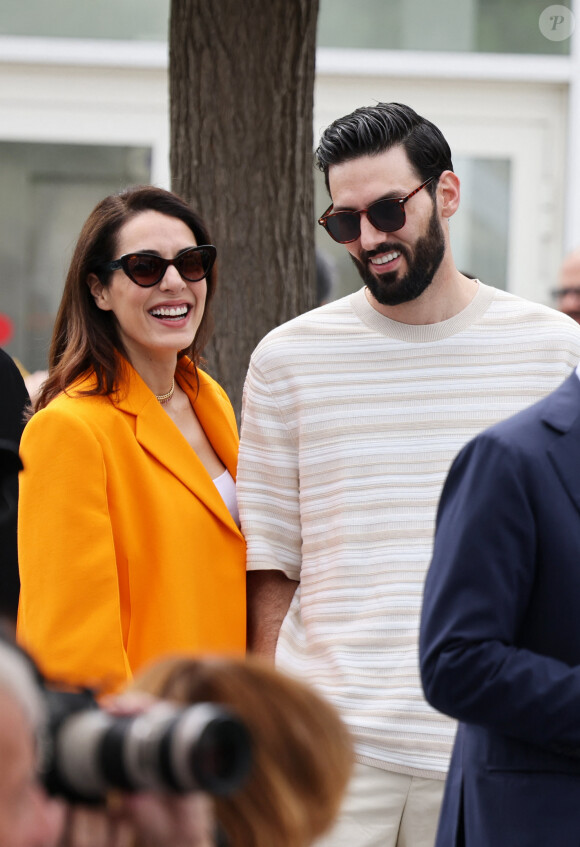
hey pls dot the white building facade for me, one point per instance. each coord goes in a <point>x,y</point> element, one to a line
<point>83,116</point>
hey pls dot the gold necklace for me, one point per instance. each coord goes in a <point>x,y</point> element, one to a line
<point>165,398</point>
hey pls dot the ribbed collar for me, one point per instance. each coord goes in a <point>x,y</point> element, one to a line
<point>414,333</point>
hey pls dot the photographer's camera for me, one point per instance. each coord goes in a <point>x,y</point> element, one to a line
<point>88,751</point>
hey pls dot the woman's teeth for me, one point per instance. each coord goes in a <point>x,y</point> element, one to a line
<point>169,312</point>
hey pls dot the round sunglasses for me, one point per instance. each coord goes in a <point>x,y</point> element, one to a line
<point>147,269</point>
<point>387,215</point>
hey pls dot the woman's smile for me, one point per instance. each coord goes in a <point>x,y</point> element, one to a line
<point>160,320</point>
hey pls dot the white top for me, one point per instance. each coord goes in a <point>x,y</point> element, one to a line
<point>350,423</point>
<point>227,488</point>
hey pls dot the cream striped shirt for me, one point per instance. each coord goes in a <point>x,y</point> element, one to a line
<point>350,423</point>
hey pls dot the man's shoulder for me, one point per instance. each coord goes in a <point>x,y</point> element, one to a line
<point>525,325</point>
<point>558,409</point>
<point>7,363</point>
<point>505,303</point>
<point>322,322</point>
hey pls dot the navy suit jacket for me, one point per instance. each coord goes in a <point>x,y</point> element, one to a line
<point>500,630</point>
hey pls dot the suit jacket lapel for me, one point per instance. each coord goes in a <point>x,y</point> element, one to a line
<point>157,434</point>
<point>562,414</point>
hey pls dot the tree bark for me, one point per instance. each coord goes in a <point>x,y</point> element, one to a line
<point>241,77</point>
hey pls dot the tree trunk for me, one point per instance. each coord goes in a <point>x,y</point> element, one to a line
<point>241,77</point>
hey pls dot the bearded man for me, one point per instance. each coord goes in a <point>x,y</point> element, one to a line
<point>352,416</point>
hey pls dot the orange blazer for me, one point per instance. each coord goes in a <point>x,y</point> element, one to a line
<point>127,550</point>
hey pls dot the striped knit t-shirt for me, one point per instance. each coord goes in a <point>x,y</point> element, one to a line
<point>350,423</point>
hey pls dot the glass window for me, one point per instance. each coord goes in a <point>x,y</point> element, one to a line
<point>490,26</point>
<point>48,192</point>
<point>480,228</point>
<point>496,26</point>
<point>143,20</point>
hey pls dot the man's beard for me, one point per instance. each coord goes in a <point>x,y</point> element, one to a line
<point>422,264</point>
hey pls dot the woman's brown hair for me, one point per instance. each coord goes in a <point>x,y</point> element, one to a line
<point>302,753</point>
<point>84,336</point>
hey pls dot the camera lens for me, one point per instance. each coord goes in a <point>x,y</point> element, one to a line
<point>168,748</point>
<point>205,747</point>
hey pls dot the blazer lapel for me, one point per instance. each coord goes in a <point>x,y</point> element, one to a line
<point>562,414</point>
<point>217,418</point>
<point>159,436</point>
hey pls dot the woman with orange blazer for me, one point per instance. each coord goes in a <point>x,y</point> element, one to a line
<point>129,540</point>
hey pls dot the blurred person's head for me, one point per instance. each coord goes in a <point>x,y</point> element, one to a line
<point>27,817</point>
<point>87,336</point>
<point>567,295</point>
<point>301,750</point>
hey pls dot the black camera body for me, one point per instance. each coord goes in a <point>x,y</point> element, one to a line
<point>86,751</point>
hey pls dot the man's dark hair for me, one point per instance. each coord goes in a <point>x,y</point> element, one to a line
<point>373,129</point>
